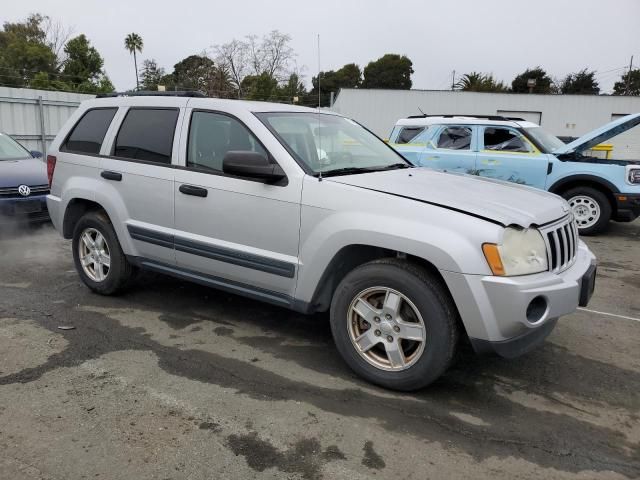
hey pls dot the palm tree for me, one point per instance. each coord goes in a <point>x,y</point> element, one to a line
<point>480,82</point>
<point>133,43</point>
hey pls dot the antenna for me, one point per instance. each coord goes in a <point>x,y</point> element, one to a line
<point>319,100</point>
<point>422,112</point>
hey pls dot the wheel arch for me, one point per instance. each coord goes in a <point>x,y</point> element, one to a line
<point>583,180</point>
<point>75,209</point>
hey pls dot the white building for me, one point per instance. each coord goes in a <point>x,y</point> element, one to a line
<point>562,115</point>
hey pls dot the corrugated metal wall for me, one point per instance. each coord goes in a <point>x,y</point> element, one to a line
<point>20,114</point>
<point>562,115</point>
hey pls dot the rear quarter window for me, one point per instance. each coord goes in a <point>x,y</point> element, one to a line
<point>147,134</point>
<point>88,134</point>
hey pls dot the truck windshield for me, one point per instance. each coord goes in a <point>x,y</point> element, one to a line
<point>11,150</point>
<point>330,144</point>
<point>544,139</point>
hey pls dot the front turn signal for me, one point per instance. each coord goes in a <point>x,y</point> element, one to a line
<point>492,255</point>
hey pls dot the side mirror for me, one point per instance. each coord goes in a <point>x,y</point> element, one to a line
<point>252,165</point>
<point>36,154</point>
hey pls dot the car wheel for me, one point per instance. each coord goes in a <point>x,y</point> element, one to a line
<point>97,254</point>
<point>394,324</point>
<point>591,209</point>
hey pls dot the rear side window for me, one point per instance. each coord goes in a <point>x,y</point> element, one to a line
<point>147,134</point>
<point>408,133</point>
<point>88,134</point>
<point>455,138</point>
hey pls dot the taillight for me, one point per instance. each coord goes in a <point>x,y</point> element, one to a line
<point>51,166</point>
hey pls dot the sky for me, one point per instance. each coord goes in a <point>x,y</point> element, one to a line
<point>502,37</point>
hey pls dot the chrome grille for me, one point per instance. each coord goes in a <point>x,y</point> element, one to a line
<point>12,192</point>
<point>561,238</point>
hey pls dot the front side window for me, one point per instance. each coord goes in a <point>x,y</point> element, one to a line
<point>455,138</point>
<point>12,150</point>
<point>505,140</point>
<point>409,133</point>
<point>88,134</point>
<point>212,135</point>
<point>147,134</point>
<point>331,144</point>
<point>546,140</point>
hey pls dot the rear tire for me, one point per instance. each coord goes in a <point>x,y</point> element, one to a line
<point>591,209</point>
<point>98,257</point>
<point>366,296</point>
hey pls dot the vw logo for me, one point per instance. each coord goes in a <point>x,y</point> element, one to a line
<point>24,190</point>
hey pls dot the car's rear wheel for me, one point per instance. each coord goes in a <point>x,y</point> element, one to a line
<point>98,257</point>
<point>591,209</point>
<point>394,324</point>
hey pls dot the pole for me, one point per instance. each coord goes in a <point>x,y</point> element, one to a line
<point>627,87</point>
<point>319,97</point>
<point>453,80</point>
<point>43,135</point>
<point>331,100</point>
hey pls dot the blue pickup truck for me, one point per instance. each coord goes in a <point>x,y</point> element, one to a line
<point>598,190</point>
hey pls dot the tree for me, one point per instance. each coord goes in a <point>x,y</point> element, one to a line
<point>24,52</point>
<point>83,62</point>
<point>348,76</point>
<point>233,58</point>
<point>151,75</point>
<point>629,83</point>
<point>582,82</point>
<point>543,81</point>
<point>133,43</point>
<point>292,89</point>
<point>260,87</point>
<point>199,72</point>
<point>389,71</point>
<point>480,82</point>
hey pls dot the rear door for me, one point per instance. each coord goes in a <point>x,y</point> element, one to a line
<point>452,148</point>
<point>242,234</point>
<point>507,154</point>
<point>137,176</point>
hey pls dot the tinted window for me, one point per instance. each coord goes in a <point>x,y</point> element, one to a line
<point>504,140</point>
<point>88,134</point>
<point>212,135</point>
<point>408,133</point>
<point>147,134</point>
<point>455,138</point>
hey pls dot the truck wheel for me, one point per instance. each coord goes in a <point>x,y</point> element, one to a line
<point>394,324</point>
<point>591,209</point>
<point>97,254</point>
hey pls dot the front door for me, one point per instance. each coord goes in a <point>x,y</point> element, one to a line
<point>508,155</point>
<point>243,234</point>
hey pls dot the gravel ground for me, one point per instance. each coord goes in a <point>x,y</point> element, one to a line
<point>171,380</point>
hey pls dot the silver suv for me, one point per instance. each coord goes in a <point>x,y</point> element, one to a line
<point>310,211</point>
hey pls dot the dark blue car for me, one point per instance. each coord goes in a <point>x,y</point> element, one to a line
<point>23,184</point>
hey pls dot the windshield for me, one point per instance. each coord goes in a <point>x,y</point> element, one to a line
<point>11,150</point>
<point>544,139</point>
<point>331,144</point>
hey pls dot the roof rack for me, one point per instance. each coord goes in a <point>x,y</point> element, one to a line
<point>150,93</point>
<point>486,117</point>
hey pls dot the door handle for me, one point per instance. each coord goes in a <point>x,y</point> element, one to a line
<point>193,190</point>
<point>108,175</point>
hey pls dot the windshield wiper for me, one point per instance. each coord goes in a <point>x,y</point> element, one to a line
<point>353,170</point>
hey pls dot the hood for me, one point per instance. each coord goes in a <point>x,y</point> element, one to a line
<point>493,200</point>
<point>600,134</point>
<point>30,171</point>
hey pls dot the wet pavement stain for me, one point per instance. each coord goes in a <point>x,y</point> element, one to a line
<point>223,331</point>
<point>371,458</point>
<point>304,457</point>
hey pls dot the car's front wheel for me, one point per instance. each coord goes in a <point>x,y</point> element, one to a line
<point>394,324</point>
<point>591,209</point>
<point>98,257</point>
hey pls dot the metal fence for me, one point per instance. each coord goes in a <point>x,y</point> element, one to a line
<point>34,117</point>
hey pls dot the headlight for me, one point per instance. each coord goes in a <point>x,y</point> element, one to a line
<point>633,174</point>
<point>521,252</point>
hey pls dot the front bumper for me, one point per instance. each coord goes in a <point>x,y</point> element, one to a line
<point>30,209</point>
<point>512,315</point>
<point>627,207</point>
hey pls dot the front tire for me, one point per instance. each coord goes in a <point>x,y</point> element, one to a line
<point>98,257</point>
<point>591,209</point>
<point>394,324</point>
